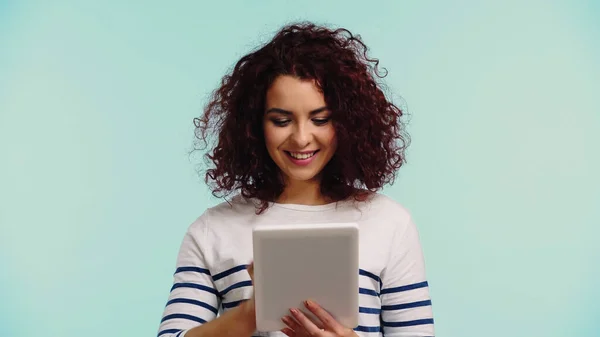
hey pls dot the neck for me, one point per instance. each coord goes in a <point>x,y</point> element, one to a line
<point>303,193</point>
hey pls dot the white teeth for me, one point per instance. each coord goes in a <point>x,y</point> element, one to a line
<point>301,155</point>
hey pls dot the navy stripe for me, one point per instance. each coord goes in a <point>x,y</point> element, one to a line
<point>368,292</point>
<point>229,272</point>
<point>168,331</point>
<point>194,269</point>
<point>230,305</point>
<point>404,288</point>
<point>365,310</point>
<point>179,333</point>
<point>406,305</point>
<point>367,328</point>
<point>235,286</point>
<point>195,286</point>
<point>409,323</point>
<point>194,302</point>
<point>183,316</point>
<point>368,274</point>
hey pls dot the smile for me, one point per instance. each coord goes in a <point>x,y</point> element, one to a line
<point>301,158</point>
<point>301,155</point>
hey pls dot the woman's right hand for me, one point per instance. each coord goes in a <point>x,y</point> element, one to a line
<point>239,321</point>
<point>247,309</point>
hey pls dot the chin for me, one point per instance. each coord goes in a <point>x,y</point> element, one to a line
<point>297,176</point>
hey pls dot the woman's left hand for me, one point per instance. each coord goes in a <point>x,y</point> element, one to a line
<point>299,325</point>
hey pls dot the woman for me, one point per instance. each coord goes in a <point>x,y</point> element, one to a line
<point>304,134</point>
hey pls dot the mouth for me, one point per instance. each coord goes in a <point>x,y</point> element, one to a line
<point>301,155</point>
<point>301,158</point>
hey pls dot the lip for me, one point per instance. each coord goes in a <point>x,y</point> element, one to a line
<point>301,162</point>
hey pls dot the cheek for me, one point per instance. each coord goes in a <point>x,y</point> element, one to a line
<point>272,137</point>
<point>328,138</point>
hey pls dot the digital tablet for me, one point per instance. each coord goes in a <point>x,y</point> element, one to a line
<point>294,263</point>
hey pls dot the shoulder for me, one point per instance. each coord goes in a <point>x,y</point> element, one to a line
<point>383,205</point>
<point>385,213</point>
<point>223,214</point>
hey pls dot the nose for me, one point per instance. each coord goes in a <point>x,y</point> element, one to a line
<point>301,136</point>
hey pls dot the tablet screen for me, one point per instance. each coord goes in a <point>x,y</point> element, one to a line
<point>299,262</point>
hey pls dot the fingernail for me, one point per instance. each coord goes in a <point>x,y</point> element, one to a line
<point>294,311</point>
<point>309,303</point>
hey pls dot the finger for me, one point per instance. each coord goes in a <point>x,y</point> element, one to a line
<point>316,322</point>
<point>288,332</point>
<point>305,322</point>
<point>326,319</point>
<point>250,269</point>
<point>292,324</point>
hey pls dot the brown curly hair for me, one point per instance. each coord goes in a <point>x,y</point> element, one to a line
<point>371,137</point>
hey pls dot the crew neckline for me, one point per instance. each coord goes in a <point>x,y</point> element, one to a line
<point>305,208</point>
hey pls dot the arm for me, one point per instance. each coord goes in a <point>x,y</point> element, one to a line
<point>236,322</point>
<point>193,303</point>
<point>405,302</point>
<point>239,321</point>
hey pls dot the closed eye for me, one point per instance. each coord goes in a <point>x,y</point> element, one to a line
<point>320,121</point>
<point>281,122</point>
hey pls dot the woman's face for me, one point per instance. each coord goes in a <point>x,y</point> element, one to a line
<point>299,134</point>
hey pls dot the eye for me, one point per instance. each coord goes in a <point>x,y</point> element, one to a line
<point>281,122</point>
<point>320,121</point>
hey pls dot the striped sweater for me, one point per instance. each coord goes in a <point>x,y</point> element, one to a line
<point>210,275</point>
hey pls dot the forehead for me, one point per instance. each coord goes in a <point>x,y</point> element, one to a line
<point>294,94</point>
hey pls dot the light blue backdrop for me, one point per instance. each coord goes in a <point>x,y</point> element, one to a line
<point>96,187</point>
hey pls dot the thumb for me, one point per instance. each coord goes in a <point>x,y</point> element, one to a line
<point>250,269</point>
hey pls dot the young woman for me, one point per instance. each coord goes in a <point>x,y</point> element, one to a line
<point>304,134</point>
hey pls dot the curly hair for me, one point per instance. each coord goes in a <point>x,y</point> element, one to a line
<point>371,137</point>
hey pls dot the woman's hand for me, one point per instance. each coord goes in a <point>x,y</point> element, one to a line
<point>247,307</point>
<point>299,325</point>
<point>237,322</point>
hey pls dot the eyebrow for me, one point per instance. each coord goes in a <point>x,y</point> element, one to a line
<point>287,112</point>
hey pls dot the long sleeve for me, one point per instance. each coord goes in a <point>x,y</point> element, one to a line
<point>193,299</point>
<point>406,305</point>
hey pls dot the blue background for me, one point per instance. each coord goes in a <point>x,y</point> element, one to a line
<point>97,187</point>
